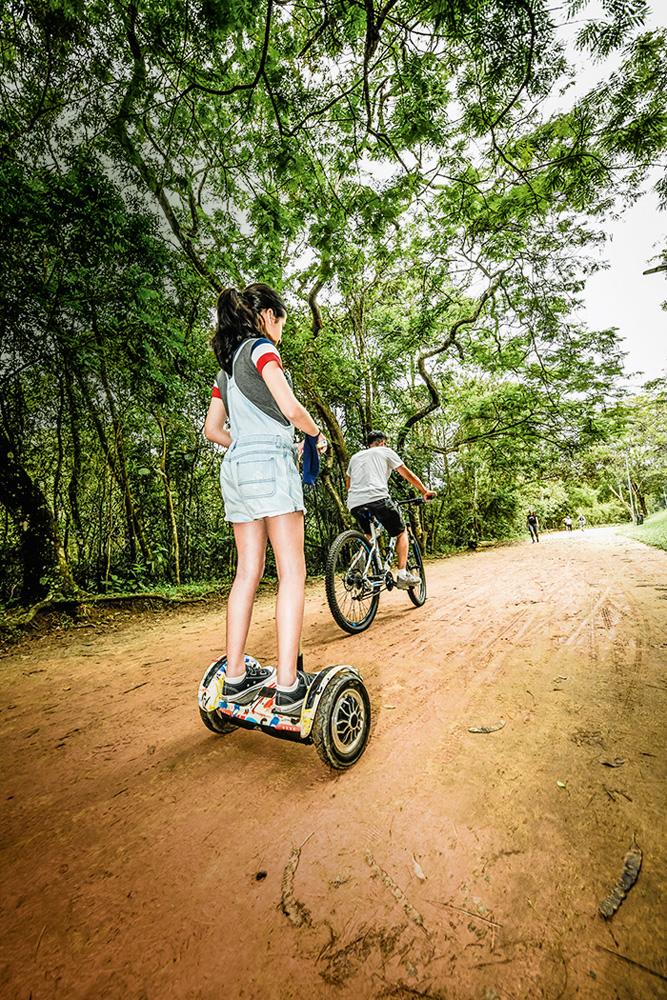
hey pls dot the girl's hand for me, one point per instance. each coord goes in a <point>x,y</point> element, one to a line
<point>322,445</point>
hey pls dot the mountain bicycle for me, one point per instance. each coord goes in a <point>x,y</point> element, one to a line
<point>358,570</point>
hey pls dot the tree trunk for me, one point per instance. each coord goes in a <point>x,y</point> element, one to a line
<point>325,476</point>
<point>77,463</point>
<point>170,499</point>
<point>118,467</point>
<point>109,534</point>
<point>449,341</point>
<point>357,313</point>
<point>45,568</point>
<point>113,467</point>
<point>619,496</point>
<point>641,500</point>
<point>334,432</point>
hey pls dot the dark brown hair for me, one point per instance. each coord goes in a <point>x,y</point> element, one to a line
<point>239,317</point>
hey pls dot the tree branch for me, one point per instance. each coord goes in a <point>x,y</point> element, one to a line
<point>447,343</point>
<point>239,86</point>
<point>135,88</point>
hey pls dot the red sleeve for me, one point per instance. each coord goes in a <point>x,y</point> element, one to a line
<point>216,393</point>
<point>263,352</point>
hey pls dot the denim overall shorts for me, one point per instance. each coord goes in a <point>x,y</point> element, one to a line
<point>259,475</point>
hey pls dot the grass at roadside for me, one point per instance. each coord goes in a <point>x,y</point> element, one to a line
<point>653,531</point>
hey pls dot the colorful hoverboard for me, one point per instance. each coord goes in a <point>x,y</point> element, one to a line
<point>336,714</point>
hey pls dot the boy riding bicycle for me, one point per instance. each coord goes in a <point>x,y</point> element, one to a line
<point>366,480</point>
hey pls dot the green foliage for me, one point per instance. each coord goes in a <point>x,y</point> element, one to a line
<point>552,502</point>
<point>399,173</point>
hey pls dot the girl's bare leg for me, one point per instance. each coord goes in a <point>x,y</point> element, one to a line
<point>251,546</point>
<point>286,534</point>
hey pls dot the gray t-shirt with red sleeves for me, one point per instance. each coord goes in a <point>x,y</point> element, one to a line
<point>247,375</point>
<point>369,473</point>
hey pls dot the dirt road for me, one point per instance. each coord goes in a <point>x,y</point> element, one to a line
<point>144,858</point>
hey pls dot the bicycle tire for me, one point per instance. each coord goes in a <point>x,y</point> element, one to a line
<point>416,565</point>
<point>353,600</point>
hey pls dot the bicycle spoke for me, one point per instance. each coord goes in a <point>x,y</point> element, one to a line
<point>351,591</point>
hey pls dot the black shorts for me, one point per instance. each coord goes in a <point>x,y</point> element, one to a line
<point>386,512</point>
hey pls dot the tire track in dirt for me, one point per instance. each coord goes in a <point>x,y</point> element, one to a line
<point>476,661</point>
<point>602,633</point>
<point>589,622</point>
<point>631,657</point>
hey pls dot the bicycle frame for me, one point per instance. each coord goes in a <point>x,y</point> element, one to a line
<point>376,552</point>
<point>357,572</point>
<point>374,555</point>
<point>371,555</point>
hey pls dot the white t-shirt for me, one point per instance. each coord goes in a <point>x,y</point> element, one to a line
<point>369,473</point>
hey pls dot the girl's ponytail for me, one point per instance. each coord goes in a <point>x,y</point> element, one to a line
<point>239,317</point>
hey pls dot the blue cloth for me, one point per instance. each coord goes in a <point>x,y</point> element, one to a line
<point>311,460</point>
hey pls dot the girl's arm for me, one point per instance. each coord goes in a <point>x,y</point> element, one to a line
<point>287,402</point>
<point>216,418</point>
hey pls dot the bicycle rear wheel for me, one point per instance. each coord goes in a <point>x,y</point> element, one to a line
<point>353,598</point>
<point>416,565</point>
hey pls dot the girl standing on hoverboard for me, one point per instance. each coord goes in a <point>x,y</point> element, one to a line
<point>261,486</point>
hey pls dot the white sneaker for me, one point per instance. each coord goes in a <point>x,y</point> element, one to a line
<point>405,579</point>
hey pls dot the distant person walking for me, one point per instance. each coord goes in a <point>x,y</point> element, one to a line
<point>582,521</point>
<point>533,526</point>
<point>567,521</point>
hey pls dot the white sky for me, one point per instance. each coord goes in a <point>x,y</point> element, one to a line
<point>622,296</point>
<point>625,298</point>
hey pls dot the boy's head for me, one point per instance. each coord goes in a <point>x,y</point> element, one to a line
<point>374,438</point>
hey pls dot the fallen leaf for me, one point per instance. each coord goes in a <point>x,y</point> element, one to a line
<point>487,729</point>
<point>616,762</point>
<point>418,870</point>
<point>625,881</point>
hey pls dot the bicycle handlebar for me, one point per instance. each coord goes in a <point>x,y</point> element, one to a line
<point>404,503</point>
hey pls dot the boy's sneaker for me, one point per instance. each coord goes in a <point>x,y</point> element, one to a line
<point>255,679</point>
<point>290,703</point>
<point>405,579</point>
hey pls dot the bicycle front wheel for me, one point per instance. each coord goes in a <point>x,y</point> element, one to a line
<point>417,594</point>
<point>353,598</point>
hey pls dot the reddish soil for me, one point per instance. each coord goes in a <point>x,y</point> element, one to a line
<point>144,858</point>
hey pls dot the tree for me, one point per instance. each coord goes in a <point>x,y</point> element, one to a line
<point>89,303</point>
<point>636,459</point>
<point>395,168</point>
